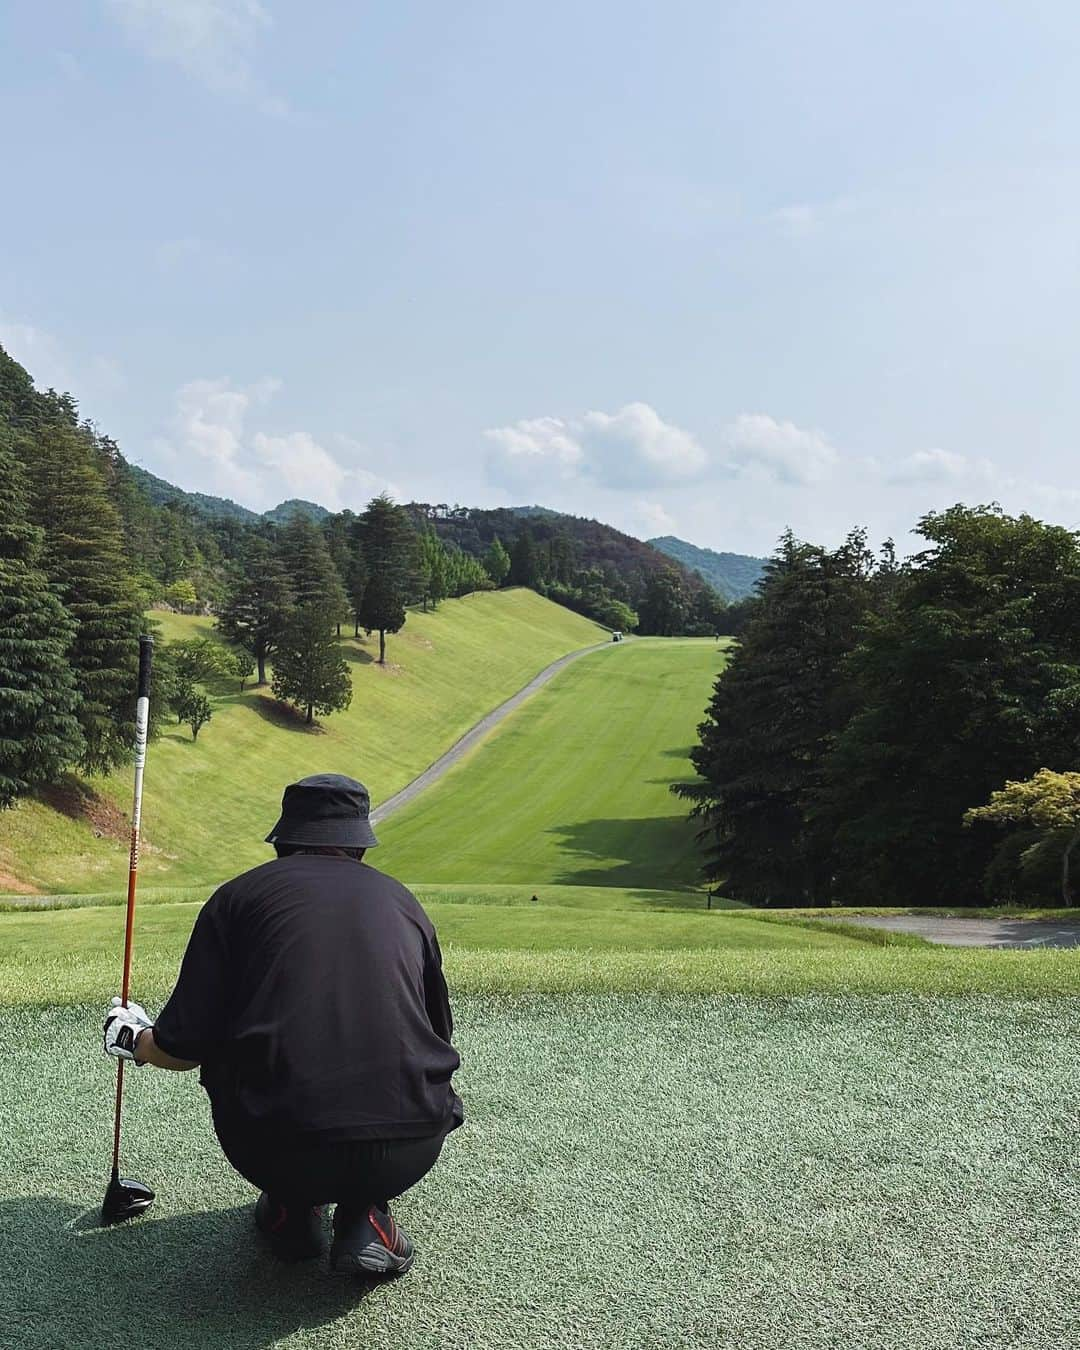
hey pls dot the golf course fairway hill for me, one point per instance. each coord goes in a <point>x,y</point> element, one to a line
<point>209,803</point>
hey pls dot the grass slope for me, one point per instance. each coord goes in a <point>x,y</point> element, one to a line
<point>574,789</point>
<point>635,1173</point>
<point>209,804</point>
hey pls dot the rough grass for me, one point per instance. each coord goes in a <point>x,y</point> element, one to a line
<point>574,897</point>
<point>209,804</point>
<point>635,1172</point>
<point>574,789</point>
<point>73,955</point>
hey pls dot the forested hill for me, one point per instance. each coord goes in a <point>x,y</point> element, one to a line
<point>162,493</point>
<point>734,575</point>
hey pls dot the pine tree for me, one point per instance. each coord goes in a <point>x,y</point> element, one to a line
<point>258,602</point>
<point>85,562</point>
<point>315,580</point>
<point>771,721</point>
<point>309,670</point>
<point>339,533</point>
<point>39,728</point>
<point>497,562</point>
<point>664,609</point>
<point>432,569</point>
<point>388,551</point>
<point>524,561</point>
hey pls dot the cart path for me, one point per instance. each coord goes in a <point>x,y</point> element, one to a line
<point>477,733</point>
<point>959,932</point>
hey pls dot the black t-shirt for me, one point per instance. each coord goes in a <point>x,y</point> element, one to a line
<point>313,997</point>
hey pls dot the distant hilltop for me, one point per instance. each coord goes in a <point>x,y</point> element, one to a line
<point>734,575</point>
<point>160,492</point>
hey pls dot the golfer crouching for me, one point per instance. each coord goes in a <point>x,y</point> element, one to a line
<point>312,998</point>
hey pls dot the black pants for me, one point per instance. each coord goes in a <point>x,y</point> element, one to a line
<point>295,1172</point>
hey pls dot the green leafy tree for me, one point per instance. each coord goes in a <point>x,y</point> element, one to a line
<point>969,678</point>
<point>182,595</point>
<point>388,543</point>
<point>258,602</point>
<point>39,727</point>
<point>309,670</point>
<point>1048,803</point>
<point>196,711</point>
<point>497,562</point>
<point>85,562</point>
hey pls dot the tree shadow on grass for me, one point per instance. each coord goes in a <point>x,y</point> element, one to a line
<point>156,1283</point>
<point>77,800</point>
<point>284,715</point>
<point>353,652</point>
<point>657,853</point>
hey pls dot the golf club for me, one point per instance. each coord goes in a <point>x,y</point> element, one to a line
<point>125,1198</point>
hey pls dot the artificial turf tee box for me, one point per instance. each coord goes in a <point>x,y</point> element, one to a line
<point>635,1172</point>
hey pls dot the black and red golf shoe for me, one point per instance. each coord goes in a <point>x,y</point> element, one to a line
<point>369,1242</point>
<point>296,1232</point>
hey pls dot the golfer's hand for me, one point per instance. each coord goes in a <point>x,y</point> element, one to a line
<point>122,1028</point>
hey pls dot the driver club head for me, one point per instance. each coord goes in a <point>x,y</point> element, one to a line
<point>124,1199</point>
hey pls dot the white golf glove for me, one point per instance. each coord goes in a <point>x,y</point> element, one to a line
<point>122,1028</point>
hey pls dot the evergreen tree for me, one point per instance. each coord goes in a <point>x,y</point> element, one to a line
<point>39,728</point>
<point>258,601</point>
<point>497,562</point>
<point>309,670</point>
<point>432,569</point>
<point>771,721</point>
<point>664,608</point>
<point>969,679</point>
<point>356,578</point>
<point>339,532</point>
<point>315,579</point>
<point>84,560</point>
<point>524,561</point>
<point>388,551</point>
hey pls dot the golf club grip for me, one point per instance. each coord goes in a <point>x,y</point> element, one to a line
<point>146,662</point>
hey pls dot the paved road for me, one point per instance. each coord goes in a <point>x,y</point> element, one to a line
<point>476,734</point>
<point>978,932</point>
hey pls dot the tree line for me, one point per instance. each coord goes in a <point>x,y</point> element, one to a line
<point>879,733</point>
<point>83,552</point>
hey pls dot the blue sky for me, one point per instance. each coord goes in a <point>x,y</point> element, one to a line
<point>702,268</point>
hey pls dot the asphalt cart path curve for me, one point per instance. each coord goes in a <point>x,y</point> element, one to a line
<point>477,733</point>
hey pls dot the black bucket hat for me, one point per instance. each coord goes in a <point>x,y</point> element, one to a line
<point>326,809</point>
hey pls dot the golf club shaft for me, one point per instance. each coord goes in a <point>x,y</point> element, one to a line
<point>142,718</point>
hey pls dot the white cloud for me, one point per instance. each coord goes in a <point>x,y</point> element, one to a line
<point>534,450</point>
<point>211,449</point>
<point>780,450</point>
<point>631,448</point>
<point>636,448</point>
<point>939,466</point>
<point>213,41</point>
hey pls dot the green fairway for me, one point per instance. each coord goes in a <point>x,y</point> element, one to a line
<point>637,1173</point>
<point>574,789</point>
<point>209,804</point>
